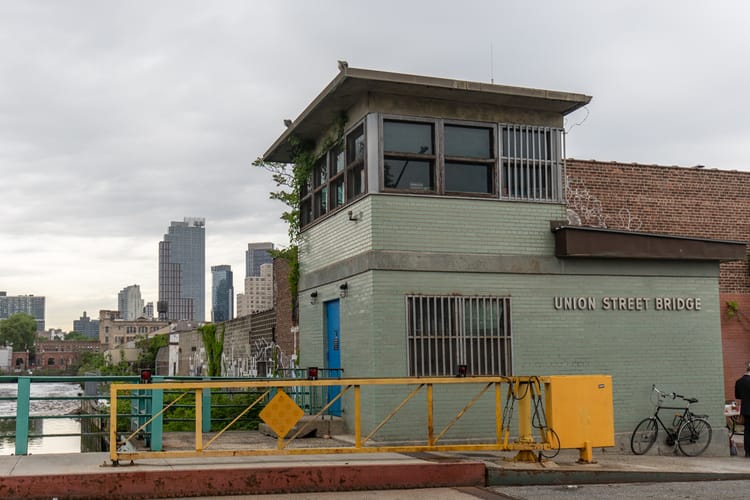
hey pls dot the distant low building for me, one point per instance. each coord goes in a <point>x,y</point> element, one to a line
<point>6,359</point>
<point>86,326</point>
<point>60,356</point>
<point>114,331</point>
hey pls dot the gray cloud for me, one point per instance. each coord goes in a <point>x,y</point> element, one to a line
<point>118,117</point>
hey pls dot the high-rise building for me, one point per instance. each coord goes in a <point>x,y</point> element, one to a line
<point>148,310</point>
<point>130,303</point>
<point>87,326</point>
<point>222,293</point>
<point>29,304</point>
<point>257,254</point>
<point>182,271</point>
<point>258,294</point>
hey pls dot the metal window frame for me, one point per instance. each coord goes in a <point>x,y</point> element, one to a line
<point>428,316</point>
<point>533,168</point>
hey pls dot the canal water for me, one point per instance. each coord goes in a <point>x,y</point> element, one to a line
<point>45,444</point>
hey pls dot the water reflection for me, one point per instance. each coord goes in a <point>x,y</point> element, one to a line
<point>46,444</point>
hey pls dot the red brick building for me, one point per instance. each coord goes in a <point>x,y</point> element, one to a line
<point>60,356</point>
<point>692,201</point>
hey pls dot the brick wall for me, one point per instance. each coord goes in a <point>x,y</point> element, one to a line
<point>735,333</point>
<point>703,203</point>
<point>285,308</point>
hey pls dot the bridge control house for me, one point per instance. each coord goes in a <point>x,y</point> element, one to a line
<point>435,233</point>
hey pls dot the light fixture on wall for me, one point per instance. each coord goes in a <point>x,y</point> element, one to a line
<point>313,298</point>
<point>312,373</point>
<point>343,288</point>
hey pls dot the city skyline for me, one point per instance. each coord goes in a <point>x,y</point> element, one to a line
<point>182,271</point>
<point>119,116</point>
<point>222,293</point>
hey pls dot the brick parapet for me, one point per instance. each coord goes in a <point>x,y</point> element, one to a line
<point>695,202</point>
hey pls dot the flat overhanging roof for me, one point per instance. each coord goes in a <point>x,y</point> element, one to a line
<point>589,242</point>
<point>352,83</point>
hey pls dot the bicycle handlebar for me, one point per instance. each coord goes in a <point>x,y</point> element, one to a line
<point>673,395</point>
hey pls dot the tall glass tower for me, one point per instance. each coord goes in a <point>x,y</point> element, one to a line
<point>182,270</point>
<point>222,293</point>
<point>257,254</point>
<point>130,303</point>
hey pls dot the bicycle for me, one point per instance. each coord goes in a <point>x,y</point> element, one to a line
<point>690,432</point>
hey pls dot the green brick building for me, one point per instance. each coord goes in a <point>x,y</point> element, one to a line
<point>435,234</point>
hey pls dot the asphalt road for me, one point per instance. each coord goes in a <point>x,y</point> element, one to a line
<point>725,490</point>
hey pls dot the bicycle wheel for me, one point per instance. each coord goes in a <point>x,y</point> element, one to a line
<point>644,436</point>
<point>694,436</point>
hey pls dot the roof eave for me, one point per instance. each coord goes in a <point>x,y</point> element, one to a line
<point>559,102</point>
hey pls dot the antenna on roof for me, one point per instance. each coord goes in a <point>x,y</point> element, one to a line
<point>492,66</point>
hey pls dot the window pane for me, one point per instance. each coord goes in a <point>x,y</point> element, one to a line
<point>306,212</point>
<point>355,182</point>
<point>337,161</point>
<point>468,178</point>
<point>355,145</point>
<point>405,137</point>
<point>468,142</point>
<point>337,193</point>
<point>321,202</point>
<point>321,175</point>
<point>409,174</point>
<point>526,143</point>
<point>443,332</point>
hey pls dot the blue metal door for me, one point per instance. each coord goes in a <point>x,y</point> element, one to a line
<point>333,353</point>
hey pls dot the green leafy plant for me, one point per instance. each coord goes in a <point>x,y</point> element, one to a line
<point>290,179</point>
<point>214,346</point>
<point>225,406</point>
<point>732,309</point>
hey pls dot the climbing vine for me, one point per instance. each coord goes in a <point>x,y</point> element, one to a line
<point>214,347</point>
<point>290,180</point>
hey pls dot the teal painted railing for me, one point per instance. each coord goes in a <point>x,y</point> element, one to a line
<point>311,401</point>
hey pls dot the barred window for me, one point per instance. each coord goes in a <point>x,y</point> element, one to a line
<point>446,331</point>
<point>531,162</point>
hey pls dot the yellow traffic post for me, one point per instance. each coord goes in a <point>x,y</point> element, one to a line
<point>524,422</point>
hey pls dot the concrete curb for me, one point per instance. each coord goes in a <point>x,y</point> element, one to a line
<point>505,477</point>
<point>120,483</point>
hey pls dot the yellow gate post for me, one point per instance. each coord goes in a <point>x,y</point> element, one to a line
<point>524,422</point>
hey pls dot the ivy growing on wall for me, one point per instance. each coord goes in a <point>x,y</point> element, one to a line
<point>214,347</point>
<point>290,179</point>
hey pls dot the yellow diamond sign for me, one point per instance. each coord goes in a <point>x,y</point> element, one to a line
<point>281,413</point>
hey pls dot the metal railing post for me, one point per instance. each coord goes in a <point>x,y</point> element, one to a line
<point>22,415</point>
<point>156,425</point>
<point>206,409</point>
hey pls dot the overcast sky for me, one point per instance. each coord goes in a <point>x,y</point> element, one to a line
<point>117,117</point>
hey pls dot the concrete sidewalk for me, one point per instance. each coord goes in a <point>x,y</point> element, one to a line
<point>90,475</point>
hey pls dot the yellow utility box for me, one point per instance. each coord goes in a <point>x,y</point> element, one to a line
<point>580,410</point>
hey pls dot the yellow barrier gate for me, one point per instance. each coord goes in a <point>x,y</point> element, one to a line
<point>281,414</point>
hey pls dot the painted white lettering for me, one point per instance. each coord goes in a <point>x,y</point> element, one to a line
<point>605,304</point>
<point>558,303</point>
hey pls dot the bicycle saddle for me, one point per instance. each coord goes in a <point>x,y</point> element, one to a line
<point>691,400</point>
